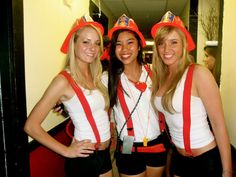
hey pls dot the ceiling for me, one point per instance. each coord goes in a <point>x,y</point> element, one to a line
<point>144,12</point>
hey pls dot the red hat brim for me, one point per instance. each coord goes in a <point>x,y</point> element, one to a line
<point>143,41</point>
<point>65,45</point>
<point>191,44</point>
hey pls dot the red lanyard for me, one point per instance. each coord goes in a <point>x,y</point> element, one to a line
<point>84,104</point>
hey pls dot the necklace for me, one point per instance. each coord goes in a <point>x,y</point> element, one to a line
<point>141,86</point>
<point>142,124</point>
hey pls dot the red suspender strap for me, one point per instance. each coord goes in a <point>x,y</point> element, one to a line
<point>124,107</point>
<point>187,110</point>
<point>162,124</point>
<point>84,104</point>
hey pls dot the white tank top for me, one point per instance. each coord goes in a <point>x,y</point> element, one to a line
<point>83,129</point>
<point>200,133</point>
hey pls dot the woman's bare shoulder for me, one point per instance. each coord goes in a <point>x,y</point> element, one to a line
<point>59,83</point>
<point>201,73</point>
<point>203,78</point>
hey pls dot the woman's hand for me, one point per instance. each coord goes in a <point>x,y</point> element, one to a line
<point>60,109</point>
<point>80,148</point>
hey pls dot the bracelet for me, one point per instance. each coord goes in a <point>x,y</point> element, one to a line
<point>227,171</point>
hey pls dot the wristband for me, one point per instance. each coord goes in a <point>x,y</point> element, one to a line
<point>227,171</point>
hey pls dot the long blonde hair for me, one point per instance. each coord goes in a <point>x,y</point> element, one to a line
<point>160,70</point>
<point>95,66</point>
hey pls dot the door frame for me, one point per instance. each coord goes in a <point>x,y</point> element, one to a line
<point>14,156</point>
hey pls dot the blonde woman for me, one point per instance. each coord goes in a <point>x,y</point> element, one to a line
<point>198,151</point>
<point>80,89</point>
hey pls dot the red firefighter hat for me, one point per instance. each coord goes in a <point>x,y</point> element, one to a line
<point>169,19</point>
<point>85,20</point>
<point>125,22</point>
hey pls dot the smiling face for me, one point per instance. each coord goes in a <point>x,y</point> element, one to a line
<point>127,48</point>
<point>87,45</point>
<point>170,48</point>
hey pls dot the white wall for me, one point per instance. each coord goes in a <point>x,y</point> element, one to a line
<point>228,78</point>
<point>46,24</point>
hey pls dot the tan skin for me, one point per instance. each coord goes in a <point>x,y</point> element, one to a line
<point>127,51</point>
<point>204,87</point>
<point>87,48</point>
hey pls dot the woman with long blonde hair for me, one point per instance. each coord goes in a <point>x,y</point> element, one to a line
<point>79,87</point>
<point>186,93</point>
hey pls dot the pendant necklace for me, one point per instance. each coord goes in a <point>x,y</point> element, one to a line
<point>141,86</point>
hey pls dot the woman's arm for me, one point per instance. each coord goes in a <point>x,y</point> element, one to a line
<point>204,86</point>
<point>57,90</point>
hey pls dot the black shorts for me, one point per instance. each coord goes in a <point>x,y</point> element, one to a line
<point>207,164</point>
<point>96,164</point>
<point>136,163</point>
